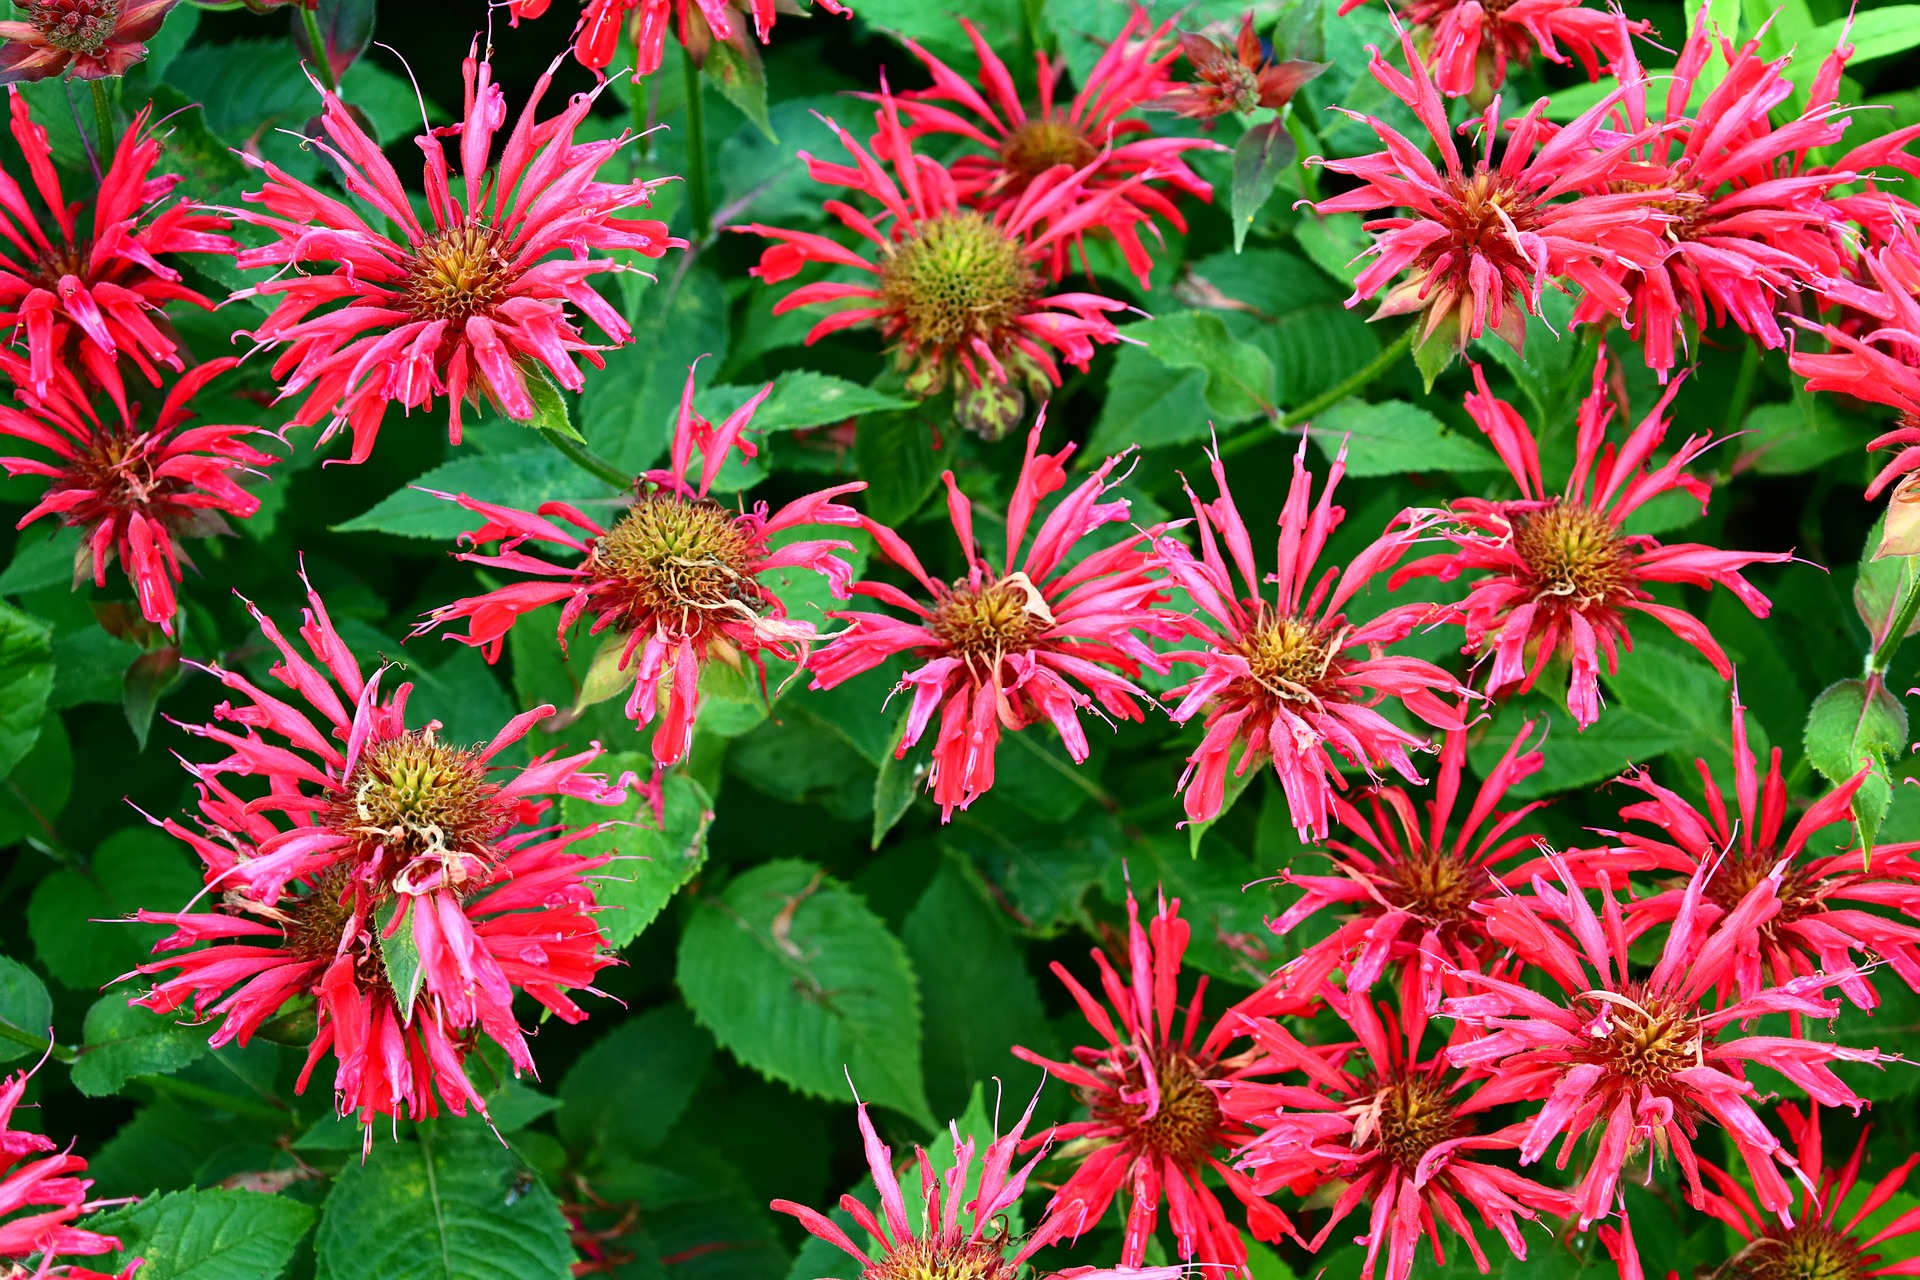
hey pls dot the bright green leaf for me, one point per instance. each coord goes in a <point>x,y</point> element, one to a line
<point>206,1235</point>
<point>123,1041</point>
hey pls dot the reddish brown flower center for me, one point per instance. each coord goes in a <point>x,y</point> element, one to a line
<point>1290,659</point>
<point>932,1260</point>
<point>1186,1126</point>
<point>421,807</point>
<point>119,471</point>
<point>1405,1118</point>
<point>1575,552</point>
<point>1810,1250</point>
<point>958,278</point>
<point>1436,886</point>
<point>1742,871</point>
<point>77,26</point>
<point>1041,143</point>
<point>687,558</point>
<point>1235,84</point>
<point>316,923</point>
<point>62,260</point>
<point>1646,1038</point>
<point>987,623</point>
<point>457,274</point>
<point>1490,211</point>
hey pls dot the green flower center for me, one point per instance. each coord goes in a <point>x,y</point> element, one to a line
<point>1810,1250</point>
<point>990,622</point>
<point>684,557</point>
<point>932,1260</point>
<point>1573,551</point>
<point>1290,659</point>
<point>416,797</point>
<point>957,279</point>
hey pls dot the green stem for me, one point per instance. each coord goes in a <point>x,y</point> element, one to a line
<point>323,65</point>
<point>103,116</point>
<point>60,1052</point>
<point>697,204</point>
<point>1359,381</point>
<point>187,1091</point>
<point>1882,656</point>
<point>589,461</point>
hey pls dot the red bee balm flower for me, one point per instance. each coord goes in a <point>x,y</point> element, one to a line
<point>1155,1124</point>
<point>97,292</point>
<point>1483,245</point>
<point>1638,1061</point>
<point>1033,638</point>
<point>134,489</point>
<point>700,23</point>
<point>677,579</point>
<point>1238,80</point>
<point>30,1242</point>
<point>472,305</point>
<point>1470,45</point>
<point>82,39</point>
<point>367,828</point>
<point>960,294</point>
<point>1400,1134</point>
<point>1277,679</point>
<point>1560,572</point>
<point>1094,133</point>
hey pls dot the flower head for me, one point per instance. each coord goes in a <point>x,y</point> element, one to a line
<point>1638,1062</point>
<point>47,1186</point>
<point>471,303</point>
<point>1560,572</point>
<point>1155,1128</point>
<point>1400,1133</point>
<point>1239,80</point>
<point>368,828</point>
<point>1029,636</point>
<point>698,24</point>
<point>1483,244</point>
<point>84,281</point>
<point>1279,680</point>
<point>961,295</point>
<point>676,582</point>
<point>135,489</point>
<point>1096,132</point>
<point>81,39</point>
<point>1469,46</point>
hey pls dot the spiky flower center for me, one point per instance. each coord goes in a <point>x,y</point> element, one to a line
<point>1489,211</point>
<point>457,274</point>
<point>1743,870</point>
<point>1288,658</point>
<point>929,1259</point>
<point>317,928</point>
<point>1436,886</point>
<point>1574,552</point>
<point>119,471</point>
<point>689,559</point>
<point>414,800</point>
<point>958,278</point>
<point>1040,144</point>
<point>1186,1126</point>
<point>1236,84</point>
<point>986,623</point>
<point>1809,1250</point>
<point>1406,1118</point>
<point>77,26</point>
<point>1645,1038</point>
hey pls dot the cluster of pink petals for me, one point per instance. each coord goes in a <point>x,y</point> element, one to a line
<point>134,489</point>
<point>473,303</point>
<point>670,646</point>
<point>1528,613</point>
<point>48,1189</point>
<point>1063,637</point>
<point>1096,128</point>
<point>78,39</point>
<point>1298,725</point>
<point>488,910</point>
<point>696,24</point>
<point>1470,44</point>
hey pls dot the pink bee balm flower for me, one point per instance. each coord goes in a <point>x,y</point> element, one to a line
<point>1279,679</point>
<point>80,39</point>
<point>1471,45</point>
<point>698,24</point>
<point>1239,79</point>
<point>1832,908</point>
<point>1638,1062</point>
<point>676,582</point>
<point>1155,1127</point>
<point>961,295</point>
<point>1411,888</point>
<point>366,828</point>
<point>1095,132</point>
<point>135,489</point>
<point>1399,1134</point>
<point>1483,244</point>
<point>1033,637</point>
<point>47,1187</point>
<point>84,282</point>
<point>471,304</point>
<point>1561,574</point>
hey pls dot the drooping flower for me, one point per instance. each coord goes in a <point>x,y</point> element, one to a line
<point>1634,1062</point>
<point>959,294</point>
<point>1036,636</point>
<point>1096,132</point>
<point>367,828</point>
<point>676,582</point>
<point>472,304</point>
<point>1560,572</point>
<point>1237,80</point>
<point>1833,906</point>
<point>84,281</point>
<point>1410,891</point>
<point>1155,1129</point>
<point>80,39</point>
<point>696,23</point>
<point>1748,222</point>
<point>135,489</point>
<point>1470,46</point>
<point>1280,680</point>
<point>1482,245</point>
<point>1398,1134</point>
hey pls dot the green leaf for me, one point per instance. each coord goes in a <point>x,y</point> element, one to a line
<point>25,1006</point>
<point>456,1205</point>
<point>628,409</point>
<point>550,412</point>
<point>741,77</point>
<point>41,559</point>
<point>1875,33</point>
<point>1335,244</point>
<point>897,784</point>
<point>123,1041</point>
<point>524,478</point>
<point>1315,348</point>
<point>1259,158</point>
<point>207,1235</point>
<point>1236,787</point>
<point>1240,379</point>
<point>35,794</point>
<point>1433,353</point>
<point>1393,437</point>
<point>651,862</point>
<point>895,452</point>
<point>803,982</point>
<point>800,399</point>
<point>1788,439</point>
<point>1149,404</point>
<point>1621,738</point>
<point>400,957</point>
<point>26,681</point>
<point>1852,723</point>
<point>1881,588</point>
<point>133,868</point>
<point>146,680</point>
<point>656,1060</point>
